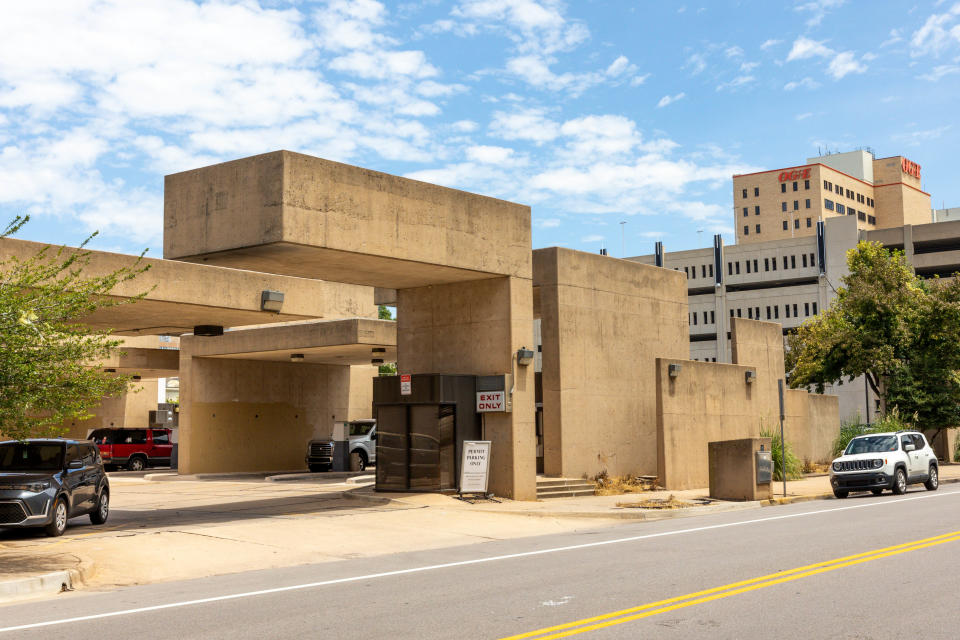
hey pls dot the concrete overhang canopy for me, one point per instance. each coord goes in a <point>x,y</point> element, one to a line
<point>343,342</point>
<point>183,295</point>
<point>146,363</point>
<point>289,213</point>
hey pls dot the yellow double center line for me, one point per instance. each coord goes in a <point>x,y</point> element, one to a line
<point>727,590</point>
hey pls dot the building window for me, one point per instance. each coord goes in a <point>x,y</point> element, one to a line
<point>713,318</point>
<point>768,312</point>
<point>746,212</point>
<point>786,310</point>
<point>796,223</point>
<point>776,312</point>
<point>731,313</point>
<point>794,186</point>
<point>758,228</point>
<point>814,308</point>
<point>756,210</point>
<point>729,268</point>
<point>756,191</point>
<point>705,318</point>
<point>750,313</point>
<point>806,184</point>
<point>793,262</point>
<point>813,262</point>
<point>711,270</point>
<point>808,203</point>
<point>838,189</point>
<point>686,271</point>
<point>783,187</point>
<point>804,256</point>
<point>744,193</point>
<point>872,219</point>
<point>861,215</point>
<point>826,185</point>
<point>809,223</point>
<point>850,211</point>
<point>737,264</point>
<point>828,204</point>
<point>785,228</point>
<point>796,205</point>
<point>766,264</point>
<point>746,229</point>
<point>840,208</point>
<point>850,194</point>
<point>783,206</point>
<point>795,314</point>
<point>773,263</point>
<point>703,271</point>
<point>694,318</point>
<point>748,266</point>
<point>756,269</point>
<point>806,308</point>
<point>786,265</point>
<point>739,313</point>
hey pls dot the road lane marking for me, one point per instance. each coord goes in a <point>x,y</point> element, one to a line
<point>678,602</point>
<point>463,563</point>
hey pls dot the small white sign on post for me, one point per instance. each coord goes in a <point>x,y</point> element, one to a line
<point>475,466</point>
<point>406,387</point>
<point>488,401</point>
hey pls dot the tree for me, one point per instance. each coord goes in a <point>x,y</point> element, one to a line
<point>46,353</point>
<point>384,313</point>
<point>899,331</point>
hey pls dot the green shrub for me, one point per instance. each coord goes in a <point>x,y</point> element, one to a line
<point>892,421</point>
<point>794,466</point>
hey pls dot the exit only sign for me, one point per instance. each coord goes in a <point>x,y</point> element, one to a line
<point>488,401</point>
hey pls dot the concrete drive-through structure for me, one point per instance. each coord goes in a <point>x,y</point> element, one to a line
<point>619,393</point>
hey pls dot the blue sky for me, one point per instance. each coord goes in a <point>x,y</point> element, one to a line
<point>593,113</point>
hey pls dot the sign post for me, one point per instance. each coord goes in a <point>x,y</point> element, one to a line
<point>475,467</point>
<point>406,387</point>
<point>783,444</point>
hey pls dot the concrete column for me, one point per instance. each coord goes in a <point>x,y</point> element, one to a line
<point>723,323</point>
<point>908,244</point>
<point>476,328</point>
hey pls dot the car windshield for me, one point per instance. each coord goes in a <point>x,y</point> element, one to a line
<point>27,456</point>
<point>871,444</point>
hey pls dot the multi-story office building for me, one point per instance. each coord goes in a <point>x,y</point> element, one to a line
<point>786,203</point>
<point>788,280</point>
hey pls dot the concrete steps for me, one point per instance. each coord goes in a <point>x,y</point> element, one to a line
<point>563,488</point>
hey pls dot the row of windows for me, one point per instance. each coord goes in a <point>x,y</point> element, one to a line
<point>852,195</point>
<point>773,312</point>
<point>770,264</point>
<point>691,272</point>
<point>756,192</point>
<point>796,224</point>
<point>796,186</point>
<point>705,360</point>
<point>746,211</point>
<point>708,317</point>
<point>796,205</point>
<point>850,211</point>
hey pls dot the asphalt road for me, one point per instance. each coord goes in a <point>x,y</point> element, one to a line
<point>867,567</point>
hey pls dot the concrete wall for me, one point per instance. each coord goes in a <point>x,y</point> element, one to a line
<point>604,321</point>
<point>245,415</point>
<point>475,328</point>
<point>132,409</point>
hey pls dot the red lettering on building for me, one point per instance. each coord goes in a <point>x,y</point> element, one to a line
<point>910,168</point>
<point>794,174</point>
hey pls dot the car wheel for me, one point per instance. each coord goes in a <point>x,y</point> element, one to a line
<point>358,461</point>
<point>900,482</point>
<point>876,492</point>
<point>840,494</point>
<point>59,522</point>
<point>99,515</point>
<point>934,481</point>
<point>136,464</point>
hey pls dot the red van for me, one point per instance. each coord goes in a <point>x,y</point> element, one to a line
<point>135,449</point>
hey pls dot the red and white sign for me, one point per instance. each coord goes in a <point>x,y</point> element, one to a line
<point>488,401</point>
<point>910,168</point>
<point>795,174</point>
<point>406,387</point>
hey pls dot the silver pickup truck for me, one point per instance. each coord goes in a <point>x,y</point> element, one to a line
<point>362,436</point>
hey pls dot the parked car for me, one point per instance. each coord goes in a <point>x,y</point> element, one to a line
<point>135,449</point>
<point>45,482</point>
<point>881,461</point>
<point>362,437</point>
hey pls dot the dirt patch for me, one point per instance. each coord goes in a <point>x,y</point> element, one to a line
<point>670,502</point>
<point>620,485</point>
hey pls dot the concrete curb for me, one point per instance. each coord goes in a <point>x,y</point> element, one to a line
<point>47,584</point>
<point>825,496</point>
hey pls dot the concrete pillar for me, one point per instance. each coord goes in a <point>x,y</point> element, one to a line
<point>476,328</point>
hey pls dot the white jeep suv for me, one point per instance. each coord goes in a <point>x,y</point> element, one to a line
<point>879,461</point>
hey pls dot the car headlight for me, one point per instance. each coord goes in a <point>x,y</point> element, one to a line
<point>877,464</point>
<point>33,487</point>
<point>836,466</point>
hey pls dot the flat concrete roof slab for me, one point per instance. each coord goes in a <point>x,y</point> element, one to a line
<point>146,363</point>
<point>294,214</point>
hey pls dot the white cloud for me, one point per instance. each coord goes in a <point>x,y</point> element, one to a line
<point>939,32</point>
<point>548,223</point>
<point>770,43</point>
<point>737,82</point>
<point>592,238</point>
<point>465,126</point>
<point>818,9</point>
<point>636,81</point>
<point>803,116</point>
<point>844,64</point>
<point>665,100</point>
<point>525,124</point>
<point>804,48</point>
<point>431,89</point>
<point>533,26</point>
<point>747,67</point>
<point>733,52</point>
<point>924,136</point>
<point>618,66</point>
<point>485,154</point>
<point>940,71</point>
<point>384,64</point>
<point>893,38</point>
<point>807,83</point>
<point>696,62</point>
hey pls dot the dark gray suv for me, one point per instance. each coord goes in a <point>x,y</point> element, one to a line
<point>45,482</point>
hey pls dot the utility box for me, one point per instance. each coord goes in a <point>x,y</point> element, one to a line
<point>740,469</point>
<point>421,427</point>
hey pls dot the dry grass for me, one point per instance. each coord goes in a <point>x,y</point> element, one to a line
<point>658,503</point>
<point>620,485</point>
<point>815,467</point>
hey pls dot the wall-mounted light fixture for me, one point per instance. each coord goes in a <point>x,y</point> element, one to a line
<point>376,361</point>
<point>208,330</point>
<point>750,377</point>
<point>110,370</point>
<point>378,350</point>
<point>271,300</point>
<point>137,378</point>
<point>296,357</point>
<point>524,356</point>
<point>673,370</point>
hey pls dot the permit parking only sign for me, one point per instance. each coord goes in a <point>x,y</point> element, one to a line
<point>475,466</point>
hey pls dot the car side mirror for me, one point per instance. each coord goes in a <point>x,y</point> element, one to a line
<point>909,447</point>
<point>75,464</point>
